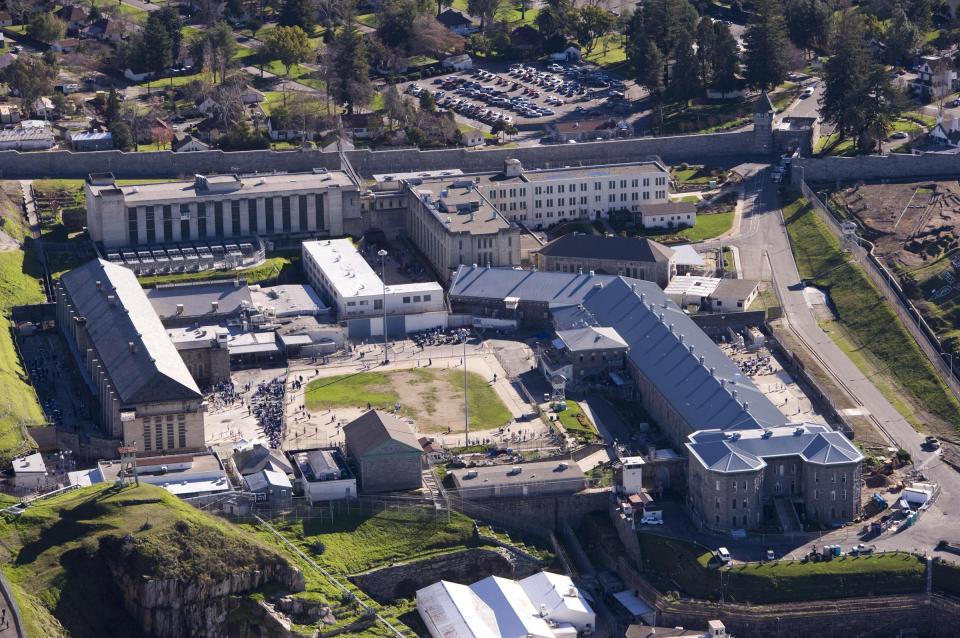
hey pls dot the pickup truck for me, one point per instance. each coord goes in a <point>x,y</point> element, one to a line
<point>861,550</point>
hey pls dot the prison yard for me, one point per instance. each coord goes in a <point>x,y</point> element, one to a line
<point>431,397</point>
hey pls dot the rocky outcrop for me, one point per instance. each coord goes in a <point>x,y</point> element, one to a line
<point>470,565</point>
<point>168,608</point>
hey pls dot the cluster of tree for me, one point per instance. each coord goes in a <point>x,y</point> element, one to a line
<point>31,76</point>
<point>46,27</point>
<point>562,20</point>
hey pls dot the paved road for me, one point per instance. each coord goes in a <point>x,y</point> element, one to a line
<point>765,254</point>
<point>808,106</point>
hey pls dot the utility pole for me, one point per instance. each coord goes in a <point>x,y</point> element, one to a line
<point>466,409</point>
<point>383,281</point>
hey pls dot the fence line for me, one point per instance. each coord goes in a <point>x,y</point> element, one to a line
<point>921,331</point>
<point>12,606</point>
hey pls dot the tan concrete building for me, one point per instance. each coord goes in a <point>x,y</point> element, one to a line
<point>318,204</point>
<point>640,258</point>
<point>145,394</point>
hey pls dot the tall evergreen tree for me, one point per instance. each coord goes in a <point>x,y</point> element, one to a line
<point>349,77</point>
<point>765,42</point>
<point>706,43</point>
<point>297,13</point>
<point>725,59</point>
<point>684,79</point>
<point>807,23</point>
<point>900,37</point>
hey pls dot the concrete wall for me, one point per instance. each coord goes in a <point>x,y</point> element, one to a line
<point>63,164</point>
<point>534,515</point>
<point>877,167</point>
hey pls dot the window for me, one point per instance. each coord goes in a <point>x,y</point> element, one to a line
<point>285,214</point>
<point>406,300</point>
<point>170,440</point>
<point>184,222</point>
<point>132,232</point>
<point>416,299</point>
<point>833,495</point>
<point>718,486</point>
<point>378,304</point>
<point>167,223</point>
<point>733,503</point>
<point>612,183</point>
<point>218,219</point>
<point>146,436</point>
<point>302,206</point>
<point>202,221</point>
<point>646,181</point>
<point>744,507</point>
<point>597,186</point>
<point>734,486</point>
<point>235,218</point>
<point>158,433</point>
<point>269,216</point>
<point>833,477</point>
<point>151,225</point>
<point>816,494</point>
<point>252,216</point>
<point>318,211</point>
<point>182,431</point>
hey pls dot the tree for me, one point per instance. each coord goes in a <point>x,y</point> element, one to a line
<point>217,48</point>
<point>592,23</point>
<point>857,97</point>
<point>901,37</point>
<point>427,103</point>
<point>706,44</point>
<point>765,42</point>
<point>395,23</point>
<point>807,23</point>
<point>46,27</point>
<point>156,53</point>
<point>443,4</point>
<point>555,18</point>
<point>122,137</point>
<point>725,59</point>
<point>665,21</point>
<point>111,110</point>
<point>684,79</point>
<point>396,107</point>
<point>348,70</point>
<point>290,45</point>
<point>297,13</point>
<point>161,136</point>
<point>648,65</point>
<point>485,9</point>
<point>31,77</point>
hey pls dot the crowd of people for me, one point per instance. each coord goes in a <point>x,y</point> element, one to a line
<point>267,404</point>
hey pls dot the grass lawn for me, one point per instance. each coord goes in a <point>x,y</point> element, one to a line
<point>871,331</point>
<point>368,20</point>
<point>700,175</point>
<point>19,284</point>
<point>53,558</point>
<point>166,82</point>
<point>608,51</point>
<point>707,226</point>
<point>671,564</point>
<point>575,421</point>
<point>433,397</point>
<point>273,269</point>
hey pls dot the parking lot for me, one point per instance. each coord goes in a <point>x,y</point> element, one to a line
<point>526,96</point>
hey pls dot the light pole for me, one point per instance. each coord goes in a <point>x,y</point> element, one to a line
<point>383,280</point>
<point>466,409</point>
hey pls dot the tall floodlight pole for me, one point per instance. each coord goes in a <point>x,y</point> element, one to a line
<point>466,409</point>
<point>383,280</point>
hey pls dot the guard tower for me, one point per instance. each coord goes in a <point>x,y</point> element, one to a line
<point>128,465</point>
<point>558,384</point>
<point>763,114</point>
<point>849,233</point>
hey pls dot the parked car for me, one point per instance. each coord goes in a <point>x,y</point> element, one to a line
<point>723,555</point>
<point>861,550</point>
<point>807,92</point>
<point>650,520</point>
<point>932,443</point>
<point>771,555</point>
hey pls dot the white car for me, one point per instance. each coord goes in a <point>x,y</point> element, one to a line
<point>651,520</point>
<point>723,555</point>
<point>899,135</point>
<point>807,92</point>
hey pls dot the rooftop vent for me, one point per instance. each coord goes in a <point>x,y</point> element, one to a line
<point>798,431</point>
<point>132,346</point>
<point>179,308</point>
<point>766,434</point>
<point>99,285</point>
<point>702,358</point>
<point>735,436</point>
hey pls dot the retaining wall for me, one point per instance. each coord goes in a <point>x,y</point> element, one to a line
<point>66,164</point>
<point>878,167</point>
<point>536,515</point>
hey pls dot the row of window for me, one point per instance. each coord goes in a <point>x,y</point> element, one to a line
<point>153,433</point>
<point>203,210</point>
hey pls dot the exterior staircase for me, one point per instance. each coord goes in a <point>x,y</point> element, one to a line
<point>787,515</point>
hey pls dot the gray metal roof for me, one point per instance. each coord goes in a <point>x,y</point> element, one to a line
<point>728,452</point>
<point>582,246</point>
<point>534,472</point>
<point>591,338</point>
<point>198,299</point>
<point>131,343</point>
<point>735,288</point>
<point>553,288</point>
<point>373,428</point>
<point>702,384</point>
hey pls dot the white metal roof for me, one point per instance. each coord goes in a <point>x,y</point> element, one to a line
<point>456,611</point>
<point>345,268</point>
<point>692,285</point>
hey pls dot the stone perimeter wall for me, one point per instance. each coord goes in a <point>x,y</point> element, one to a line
<point>66,164</point>
<point>878,167</point>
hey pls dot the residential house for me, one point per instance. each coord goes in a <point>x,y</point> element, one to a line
<point>462,62</point>
<point>107,30</point>
<point>43,108</point>
<point>137,75</point>
<point>67,45</point>
<point>251,95</point>
<point>588,130</point>
<point>271,487</point>
<point>361,126</point>
<point>9,114</point>
<point>456,22</point>
<point>472,137</point>
<point>936,77</point>
<point>668,215</point>
<point>148,133</point>
<point>74,16</point>
<point>570,53</point>
<point>6,19</point>
<point>186,143</point>
<point>526,41</point>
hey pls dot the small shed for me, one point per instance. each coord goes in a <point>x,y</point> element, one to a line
<point>273,487</point>
<point>462,62</point>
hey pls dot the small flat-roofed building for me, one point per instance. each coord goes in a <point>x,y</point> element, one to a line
<point>540,478</point>
<point>92,141</point>
<point>323,475</point>
<point>183,475</point>
<point>286,301</point>
<point>26,139</point>
<point>583,354</point>
<point>205,303</point>
<point>668,215</point>
<point>272,487</point>
<point>29,472</point>
<point>712,294</point>
<point>385,451</point>
<point>254,348</point>
<point>691,290</point>
<point>204,351</point>
<point>639,258</point>
<point>335,268</point>
<point>213,207</point>
<point>559,600</point>
<point>145,393</point>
